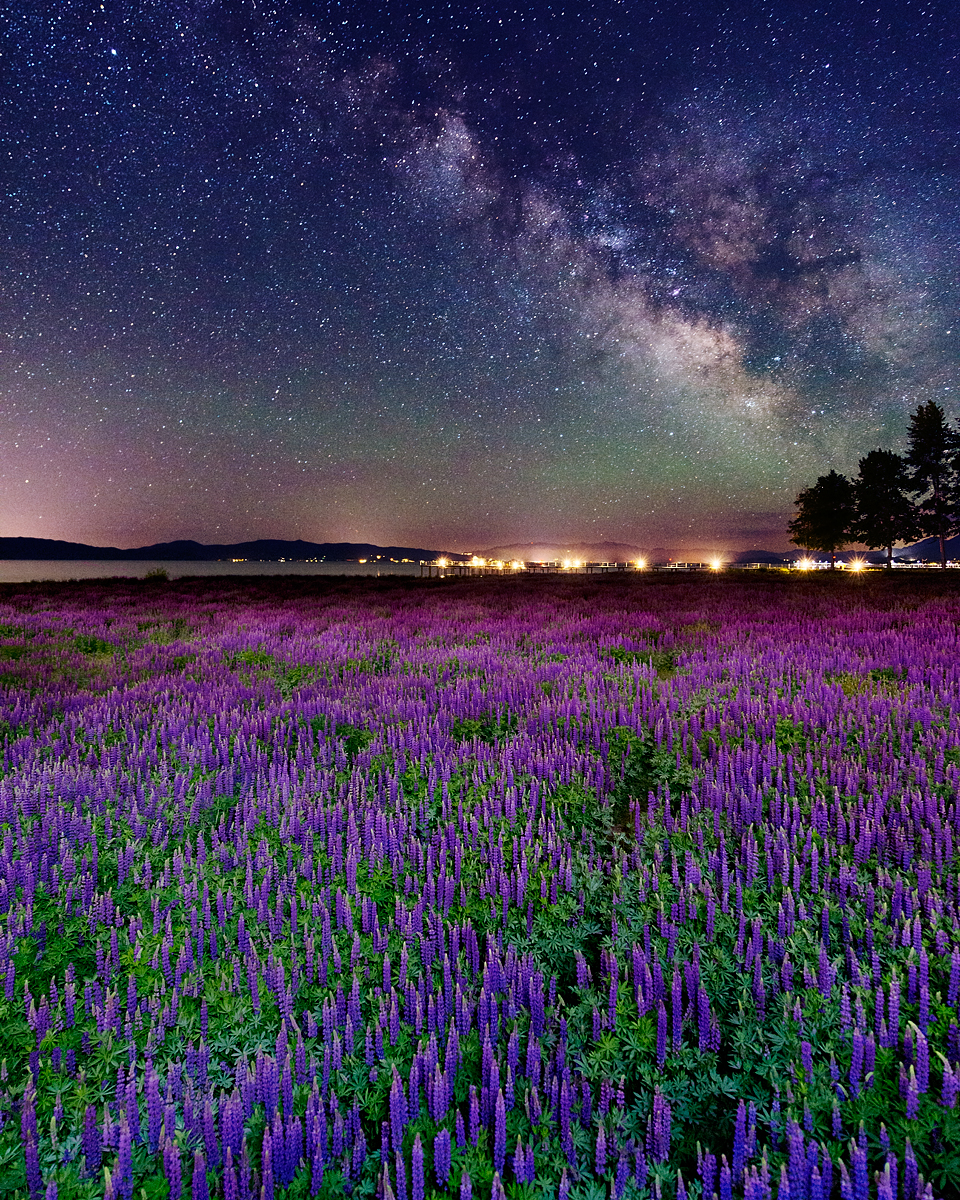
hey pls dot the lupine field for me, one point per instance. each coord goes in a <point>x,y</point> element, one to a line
<point>532,887</point>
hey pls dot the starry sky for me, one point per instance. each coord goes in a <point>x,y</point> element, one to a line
<point>456,275</point>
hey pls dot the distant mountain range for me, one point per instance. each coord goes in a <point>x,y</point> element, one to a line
<point>274,550</point>
<point>930,548</point>
<point>262,550</point>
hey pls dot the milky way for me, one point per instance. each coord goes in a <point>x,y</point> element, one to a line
<point>462,276</point>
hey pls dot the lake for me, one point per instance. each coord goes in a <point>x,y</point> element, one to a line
<point>36,570</point>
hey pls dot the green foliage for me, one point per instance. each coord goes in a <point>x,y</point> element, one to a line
<point>663,662</point>
<point>355,739</point>
<point>651,768</point>
<point>486,728</point>
<point>87,644</point>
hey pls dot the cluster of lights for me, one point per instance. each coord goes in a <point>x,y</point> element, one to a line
<point>497,564</point>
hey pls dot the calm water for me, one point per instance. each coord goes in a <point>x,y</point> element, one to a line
<point>27,570</point>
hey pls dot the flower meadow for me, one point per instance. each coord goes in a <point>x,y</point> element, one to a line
<point>587,887</point>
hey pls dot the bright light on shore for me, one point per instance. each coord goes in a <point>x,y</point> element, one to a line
<point>442,562</point>
<point>476,561</point>
<point>716,564</point>
<point>516,564</point>
<point>804,564</point>
<point>857,564</point>
<point>641,563</point>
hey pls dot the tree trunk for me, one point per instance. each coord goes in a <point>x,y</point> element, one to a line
<point>890,557</point>
<point>943,551</point>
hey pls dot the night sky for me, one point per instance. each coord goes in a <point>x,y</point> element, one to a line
<point>454,276</point>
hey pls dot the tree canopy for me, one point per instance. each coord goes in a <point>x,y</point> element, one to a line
<point>934,448</point>
<point>883,511</point>
<point>825,513</point>
<point>876,508</point>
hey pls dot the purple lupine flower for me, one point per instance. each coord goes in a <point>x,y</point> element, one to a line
<point>520,1162</point>
<point>661,1034</point>
<point>893,1011</point>
<point>500,1132</point>
<point>703,1018</point>
<point>913,1095</point>
<point>856,1063</point>
<point>474,1115</point>
<point>949,1087</point>
<point>398,1115</point>
<point>708,1171</point>
<point>400,1168</point>
<point>660,1127</point>
<point>621,1175</point>
<point>806,1057</point>
<point>34,1177</point>
<point>172,1169</point>
<point>154,1109</point>
<point>417,1170</point>
<point>861,1178</point>
<point>123,1176</point>
<point>600,1159</point>
<point>201,1190</point>
<point>90,1140</point>
<point>441,1157</point>
<point>466,1188</point>
<point>231,1189</point>
<point>359,1151</point>
<point>726,1179</point>
<point>739,1142</point>
<point>923,1062</point>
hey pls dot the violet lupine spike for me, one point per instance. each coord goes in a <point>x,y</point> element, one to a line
<point>441,1157</point>
<point>417,1171</point>
<point>499,1132</point>
<point>739,1158</point>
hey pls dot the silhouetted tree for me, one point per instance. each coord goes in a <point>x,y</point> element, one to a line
<point>883,513</point>
<point>825,514</point>
<point>934,447</point>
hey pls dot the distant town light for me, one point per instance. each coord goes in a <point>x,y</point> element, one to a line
<point>805,564</point>
<point>516,564</point>
<point>716,564</point>
<point>441,562</point>
<point>476,561</point>
<point>641,563</point>
<point>857,564</point>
